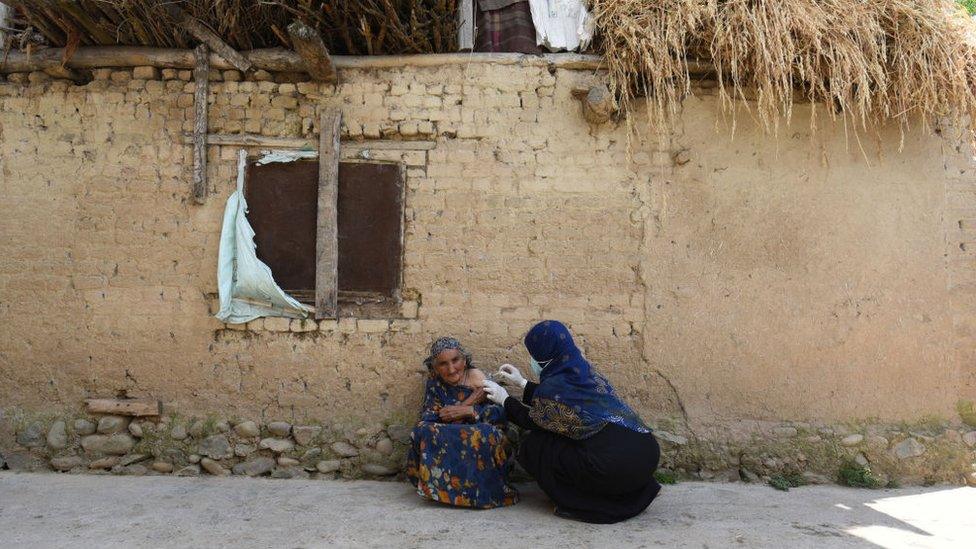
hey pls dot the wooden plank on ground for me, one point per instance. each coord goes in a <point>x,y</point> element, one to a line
<point>201,79</point>
<point>327,229</point>
<point>124,406</point>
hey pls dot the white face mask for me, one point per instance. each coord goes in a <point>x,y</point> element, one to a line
<point>536,367</point>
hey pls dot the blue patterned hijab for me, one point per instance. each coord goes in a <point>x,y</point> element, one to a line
<point>572,398</point>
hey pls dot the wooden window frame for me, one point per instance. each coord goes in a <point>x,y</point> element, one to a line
<point>327,295</point>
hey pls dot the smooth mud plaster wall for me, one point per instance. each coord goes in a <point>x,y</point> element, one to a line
<point>762,277</point>
<point>806,276</point>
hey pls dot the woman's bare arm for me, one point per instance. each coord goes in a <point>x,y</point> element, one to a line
<point>475,378</point>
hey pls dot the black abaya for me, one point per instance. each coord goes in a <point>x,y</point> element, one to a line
<point>605,478</point>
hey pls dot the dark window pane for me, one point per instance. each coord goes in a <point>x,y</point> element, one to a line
<point>282,200</point>
<point>369,216</point>
<point>282,207</point>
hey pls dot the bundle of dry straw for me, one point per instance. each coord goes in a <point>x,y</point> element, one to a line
<point>866,60</point>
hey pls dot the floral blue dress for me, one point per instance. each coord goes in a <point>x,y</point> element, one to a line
<point>462,464</point>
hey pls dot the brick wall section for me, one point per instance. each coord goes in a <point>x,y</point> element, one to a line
<point>520,212</point>
<point>108,277</point>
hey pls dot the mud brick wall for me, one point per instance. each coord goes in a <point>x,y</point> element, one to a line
<point>714,279</point>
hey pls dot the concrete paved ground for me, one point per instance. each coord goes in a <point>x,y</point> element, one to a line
<point>55,510</point>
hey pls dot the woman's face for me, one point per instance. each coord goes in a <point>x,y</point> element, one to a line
<point>449,366</point>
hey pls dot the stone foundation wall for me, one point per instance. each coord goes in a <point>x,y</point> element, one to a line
<point>867,455</point>
<point>194,446</point>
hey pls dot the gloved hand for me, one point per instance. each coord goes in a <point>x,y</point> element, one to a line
<point>496,393</point>
<point>512,375</point>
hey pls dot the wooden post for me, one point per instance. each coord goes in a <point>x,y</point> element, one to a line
<point>309,46</point>
<point>201,79</point>
<point>327,229</point>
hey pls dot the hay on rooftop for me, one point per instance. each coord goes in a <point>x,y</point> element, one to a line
<point>866,60</point>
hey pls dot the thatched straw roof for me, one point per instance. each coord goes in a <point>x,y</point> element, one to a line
<point>867,60</point>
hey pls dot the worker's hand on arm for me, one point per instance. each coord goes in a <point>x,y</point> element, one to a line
<point>512,375</point>
<point>496,393</point>
<point>450,414</point>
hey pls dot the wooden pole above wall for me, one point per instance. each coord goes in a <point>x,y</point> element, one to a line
<point>308,44</point>
<point>205,35</point>
<point>282,60</point>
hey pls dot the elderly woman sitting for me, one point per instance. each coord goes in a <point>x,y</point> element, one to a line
<point>460,455</point>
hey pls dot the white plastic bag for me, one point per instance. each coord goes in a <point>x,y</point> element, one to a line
<point>246,286</point>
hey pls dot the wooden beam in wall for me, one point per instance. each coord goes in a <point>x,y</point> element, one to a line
<point>255,140</point>
<point>327,230</point>
<point>273,142</point>
<point>308,44</point>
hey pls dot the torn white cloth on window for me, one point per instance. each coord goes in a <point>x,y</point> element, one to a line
<point>285,156</point>
<point>246,286</point>
<point>561,24</point>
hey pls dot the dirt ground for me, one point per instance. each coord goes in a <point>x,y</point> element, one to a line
<point>52,510</point>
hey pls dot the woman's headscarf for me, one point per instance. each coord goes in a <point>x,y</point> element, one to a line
<point>442,344</point>
<point>572,398</point>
